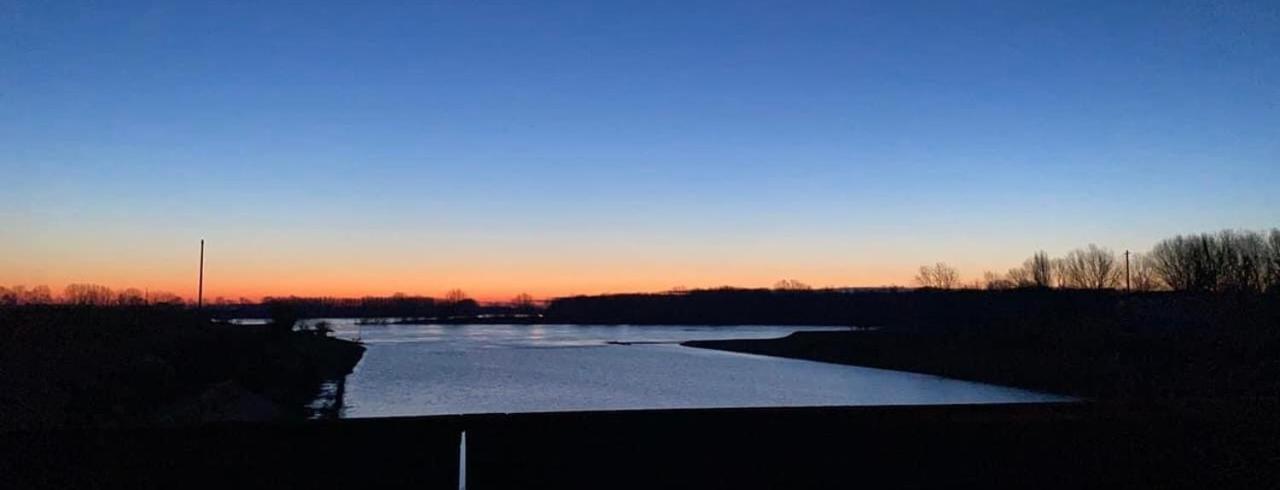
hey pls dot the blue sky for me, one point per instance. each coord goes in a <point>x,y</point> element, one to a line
<point>621,145</point>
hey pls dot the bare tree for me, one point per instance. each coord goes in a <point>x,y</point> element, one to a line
<point>1089,268</point>
<point>1171,259</point>
<point>1273,260</point>
<point>523,302</point>
<point>87,294</point>
<point>130,297</point>
<point>1142,276</point>
<point>994,281</point>
<point>455,296</point>
<point>20,295</point>
<point>1020,276</point>
<point>39,295</point>
<point>791,285</point>
<point>939,276</point>
<point>1212,262</point>
<point>166,298</point>
<point>1061,275</point>
<point>1243,256</point>
<point>1035,272</point>
<point>1041,270</point>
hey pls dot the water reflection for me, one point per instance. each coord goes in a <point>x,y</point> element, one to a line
<point>435,369</point>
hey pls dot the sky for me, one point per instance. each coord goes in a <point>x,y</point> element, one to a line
<point>555,148</point>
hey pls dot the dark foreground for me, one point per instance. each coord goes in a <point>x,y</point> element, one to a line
<point>146,366</point>
<point>1217,445</point>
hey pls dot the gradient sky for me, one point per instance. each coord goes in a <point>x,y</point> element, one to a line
<point>347,148</point>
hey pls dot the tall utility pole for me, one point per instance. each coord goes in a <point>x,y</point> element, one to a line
<point>1126,271</point>
<point>200,288</point>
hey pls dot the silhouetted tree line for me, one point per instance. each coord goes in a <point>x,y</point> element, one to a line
<point>86,295</point>
<point>395,306</point>
<point>454,305</point>
<point>971,310</point>
<point>1227,261</point>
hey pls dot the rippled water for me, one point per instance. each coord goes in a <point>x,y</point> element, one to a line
<point>449,369</point>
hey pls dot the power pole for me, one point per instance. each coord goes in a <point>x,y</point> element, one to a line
<point>1126,272</point>
<point>200,288</point>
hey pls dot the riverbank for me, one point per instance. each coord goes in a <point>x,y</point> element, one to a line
<point>66,367</point>
<point>1116,365</point>
<point>1069,446</point>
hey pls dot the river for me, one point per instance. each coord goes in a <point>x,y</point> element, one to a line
<point>454,369</point>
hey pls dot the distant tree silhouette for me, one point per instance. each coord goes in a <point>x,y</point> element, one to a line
<point>791,285</point>
<point>456,303</point>
<point>1035,272</point>
<point>165,298</point>
<point>1142,276</point>
<point>1244,257</point>
<point>1089,268</point>
<point>1273,261</point>
<point>1041,270</point>
<point>454,296</point>
<point>1188,263</point>
<point>20,295</point>
<point>39,295</point>
<point>1173,261</point>
<point>995,282</point>
<point>939,275</point>
<point>88,295</point>
<point>523,303</point>
<point>130,297</point>
<point>1226,261</point>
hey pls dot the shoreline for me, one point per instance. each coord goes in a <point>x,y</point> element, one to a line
<point>76,367</point>
<point>1136,368</point>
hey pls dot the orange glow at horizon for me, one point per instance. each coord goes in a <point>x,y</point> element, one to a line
<point>489,268</point>
<point>483,287</point>
<point>234,274</point>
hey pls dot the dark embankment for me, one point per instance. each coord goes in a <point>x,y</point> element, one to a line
<point>1104,445</point>
<point>923,309</point>
<point>1102,344</point>
<point>129,366</point>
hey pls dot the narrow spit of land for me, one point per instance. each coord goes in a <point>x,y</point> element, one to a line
<point>1086,343</point>
<point>1124,366</point>
<point>63,367</point>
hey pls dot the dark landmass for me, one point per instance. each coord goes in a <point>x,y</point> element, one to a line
<point>1097,445</point>
<point>485,319</point>
<point>402,308</point>
<point>1132,366</point>
<point>63,366</point>
<point>1094,344</point>
<point>928,309</point>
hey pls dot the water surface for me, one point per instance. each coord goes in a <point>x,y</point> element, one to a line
<point>451,369</point>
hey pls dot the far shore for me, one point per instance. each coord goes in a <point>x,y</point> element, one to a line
<point>1136,368</point>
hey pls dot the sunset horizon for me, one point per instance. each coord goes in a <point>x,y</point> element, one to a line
<point>583,149</point>
<point>233,282</point>
<point>634,244</point>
